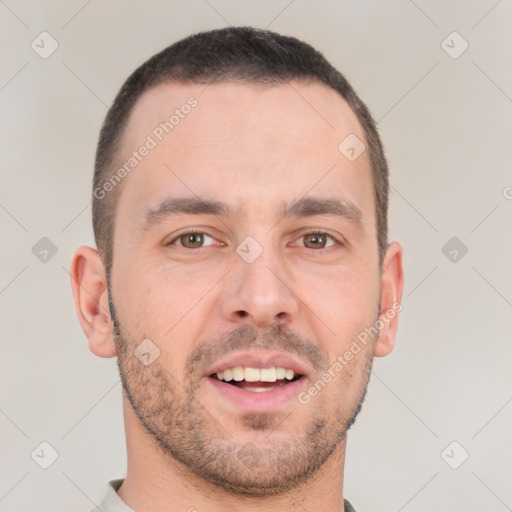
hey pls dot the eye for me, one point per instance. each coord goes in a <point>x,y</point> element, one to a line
<point>317,240</point>
<point>192,240</point>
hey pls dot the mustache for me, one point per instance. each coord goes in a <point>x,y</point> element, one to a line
<point>247,337</point>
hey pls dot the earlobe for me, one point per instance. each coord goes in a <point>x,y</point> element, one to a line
<point>89,285</point>
<point>392,283</point>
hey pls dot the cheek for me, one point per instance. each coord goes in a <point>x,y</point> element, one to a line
<point>148,295</point>
<point>166,303</point>
<point>346,301</point>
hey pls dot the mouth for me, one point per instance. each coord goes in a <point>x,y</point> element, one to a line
<point>257,380</point>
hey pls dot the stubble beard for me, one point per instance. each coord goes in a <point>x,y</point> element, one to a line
<point>172,414</point>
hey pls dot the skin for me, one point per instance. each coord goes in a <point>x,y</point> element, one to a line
<point>253,147</point>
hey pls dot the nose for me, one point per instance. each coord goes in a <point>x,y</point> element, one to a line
<point>259,293</point>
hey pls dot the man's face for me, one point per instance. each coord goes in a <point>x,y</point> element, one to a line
<point>248,285</point>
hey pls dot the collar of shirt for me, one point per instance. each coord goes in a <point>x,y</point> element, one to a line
<point>113,503</point>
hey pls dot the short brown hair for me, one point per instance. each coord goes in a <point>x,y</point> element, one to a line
<point>236,53</point>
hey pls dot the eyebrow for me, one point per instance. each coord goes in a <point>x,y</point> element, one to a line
<point>304,207</point>
<point>310,206</point>
<point>174,206</point>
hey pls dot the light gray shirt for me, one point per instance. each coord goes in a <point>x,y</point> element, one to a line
<point>113,503</point>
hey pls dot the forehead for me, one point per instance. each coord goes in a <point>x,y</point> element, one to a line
<point>249,144</point>
<point>224,112</point>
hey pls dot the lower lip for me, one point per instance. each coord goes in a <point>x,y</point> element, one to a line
<point>253,401</point>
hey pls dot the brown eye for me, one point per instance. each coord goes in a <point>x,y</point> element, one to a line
<point>317,240</point>
<point>193,240</point>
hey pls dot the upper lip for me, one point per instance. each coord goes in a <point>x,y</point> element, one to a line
<point>261,359</point>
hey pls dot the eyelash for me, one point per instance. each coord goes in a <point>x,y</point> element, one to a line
<point>310,232</point>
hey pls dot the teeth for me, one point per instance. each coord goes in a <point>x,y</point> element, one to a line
<point>259,390</point>
<point>252,374</point>
<point>268,374</point>
<point>249,374</point>
<point>280,373</point>
<point>238,373</point>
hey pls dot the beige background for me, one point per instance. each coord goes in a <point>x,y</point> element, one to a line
<point>446,125</point>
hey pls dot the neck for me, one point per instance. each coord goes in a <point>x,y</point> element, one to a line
<point>156,481</point>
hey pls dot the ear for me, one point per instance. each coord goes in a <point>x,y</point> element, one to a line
<point>392,284</point>
<point>89,284</point>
